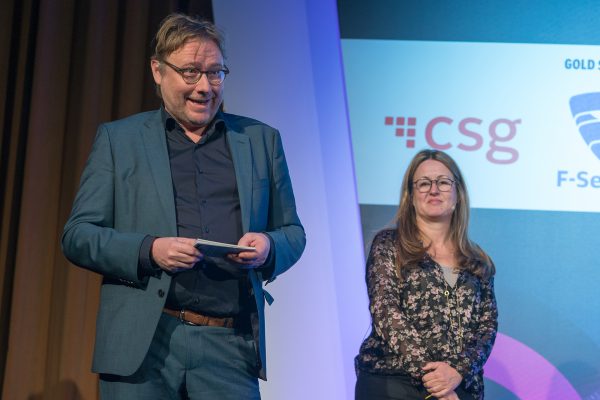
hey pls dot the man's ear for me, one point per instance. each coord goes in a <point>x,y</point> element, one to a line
<point>155,67</point>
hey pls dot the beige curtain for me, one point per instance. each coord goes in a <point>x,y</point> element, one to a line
<point>65,66</point>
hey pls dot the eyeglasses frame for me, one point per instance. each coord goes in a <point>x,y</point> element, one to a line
<point>181,71</point>
<point>432,181</point>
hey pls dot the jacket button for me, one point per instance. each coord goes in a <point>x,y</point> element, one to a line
<point>161,293</point>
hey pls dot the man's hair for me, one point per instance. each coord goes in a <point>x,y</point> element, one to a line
<point>410,248</point>
<point>177,29</point>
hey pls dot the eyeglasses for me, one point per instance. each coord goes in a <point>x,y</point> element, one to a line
<point>192,75</point>
<point>423,185</point>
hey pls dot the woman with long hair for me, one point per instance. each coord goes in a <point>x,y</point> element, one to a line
<point>431,293</point>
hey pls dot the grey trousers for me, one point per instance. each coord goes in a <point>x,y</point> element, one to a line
<point>190,362</point>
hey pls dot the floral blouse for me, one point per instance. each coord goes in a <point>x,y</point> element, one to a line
<point>422,319</point>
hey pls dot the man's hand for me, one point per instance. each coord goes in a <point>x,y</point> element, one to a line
<point>174,254</point>
<point>256,258</point>
<point>441,380</point>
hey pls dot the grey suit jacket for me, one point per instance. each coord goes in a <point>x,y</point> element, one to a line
<point>126,193</point>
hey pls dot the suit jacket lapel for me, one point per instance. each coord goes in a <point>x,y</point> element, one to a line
<point>241,153</point>
<point>153,133</point>
<point>242,163</point>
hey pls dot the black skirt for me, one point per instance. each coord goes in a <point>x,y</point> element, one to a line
<point>395,387</point>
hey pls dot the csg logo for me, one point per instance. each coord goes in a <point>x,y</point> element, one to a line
<point>467,134</point>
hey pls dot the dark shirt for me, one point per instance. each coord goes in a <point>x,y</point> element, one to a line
<point>207,206</point>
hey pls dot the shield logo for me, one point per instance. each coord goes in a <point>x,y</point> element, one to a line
<point>586,112</point>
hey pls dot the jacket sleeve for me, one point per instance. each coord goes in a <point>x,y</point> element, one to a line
<point>283,225</point>
<point>389,319</point>
<point>470,361</point>
<point>89,239</point>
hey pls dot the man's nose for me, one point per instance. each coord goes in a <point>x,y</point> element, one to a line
<point>203,85</point>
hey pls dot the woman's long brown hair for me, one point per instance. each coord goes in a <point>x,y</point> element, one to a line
<point>410,249</point>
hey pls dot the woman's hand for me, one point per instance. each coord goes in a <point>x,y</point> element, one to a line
<point>441,380</point>
<point>451,396</point>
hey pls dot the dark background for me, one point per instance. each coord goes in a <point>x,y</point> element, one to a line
<point>65,66</point>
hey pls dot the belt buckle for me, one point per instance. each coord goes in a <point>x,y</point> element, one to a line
<point>183,320</point>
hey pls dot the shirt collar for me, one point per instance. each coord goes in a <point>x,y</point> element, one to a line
<point>217,125</point>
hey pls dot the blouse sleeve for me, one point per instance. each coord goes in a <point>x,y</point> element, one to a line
<point>389,319</point>
<point>470,361</point>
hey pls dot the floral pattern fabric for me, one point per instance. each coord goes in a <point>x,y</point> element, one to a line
<point>421,318</point>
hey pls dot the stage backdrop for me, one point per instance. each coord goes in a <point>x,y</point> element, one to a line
<point>512,92</point>
<point>493,85</point>
<point>285,62</point>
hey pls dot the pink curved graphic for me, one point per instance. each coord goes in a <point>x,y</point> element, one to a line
<point>525,373</point>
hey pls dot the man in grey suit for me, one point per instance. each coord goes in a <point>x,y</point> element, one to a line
<point>174,322</point>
